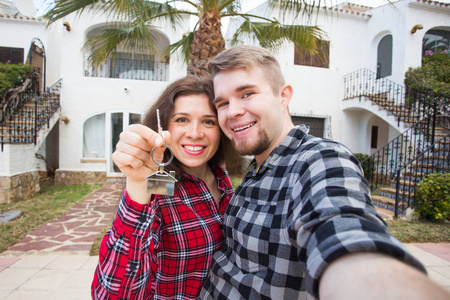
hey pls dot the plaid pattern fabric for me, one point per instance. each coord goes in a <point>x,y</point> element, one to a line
<point>307,205</point>
<point>163,249</point>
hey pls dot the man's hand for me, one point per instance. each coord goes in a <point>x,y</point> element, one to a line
<point>376,276</point>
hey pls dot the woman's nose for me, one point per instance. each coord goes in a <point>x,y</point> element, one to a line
<point>194,131</point>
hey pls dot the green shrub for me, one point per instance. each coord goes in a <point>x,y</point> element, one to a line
<point>11,76</point>
<point>433,197</point>
<point>432,76</point>
<point>368,165</point>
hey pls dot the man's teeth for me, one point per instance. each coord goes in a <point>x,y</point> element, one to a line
<point>193,148</point>
<point>243,127</point>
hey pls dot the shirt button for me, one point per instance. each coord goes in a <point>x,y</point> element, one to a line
<point>133,267</point>
<point>142,219</point>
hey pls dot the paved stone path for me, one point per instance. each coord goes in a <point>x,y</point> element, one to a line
<point>77,230</point>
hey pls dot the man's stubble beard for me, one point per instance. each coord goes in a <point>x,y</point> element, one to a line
<point>261,145</point>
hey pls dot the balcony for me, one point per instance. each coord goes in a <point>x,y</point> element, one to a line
<point>135,67</point>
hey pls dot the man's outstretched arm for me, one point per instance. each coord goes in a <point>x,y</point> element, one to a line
<point>376,276</point>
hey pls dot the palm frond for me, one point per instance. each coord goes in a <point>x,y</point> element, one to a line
<point>297,9</point>
<point>273,35</point>
<point>116,9</point>
<point>66,7</point>
<point>182,47</point>
<point>102,46</point>
<point>164,11</point>
<point>230,6</point>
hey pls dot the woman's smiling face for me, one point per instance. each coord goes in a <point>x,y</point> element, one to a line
<point>194,130</point>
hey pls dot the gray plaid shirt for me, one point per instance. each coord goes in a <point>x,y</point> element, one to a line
<point>307,205</point>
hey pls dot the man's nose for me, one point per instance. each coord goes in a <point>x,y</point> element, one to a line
<point>235,109</point>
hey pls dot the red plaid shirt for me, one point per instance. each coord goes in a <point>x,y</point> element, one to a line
<point>185,231</point>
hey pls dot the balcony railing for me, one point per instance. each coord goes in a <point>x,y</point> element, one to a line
<point>421,149</point>
<point>436,159</point>
<point>24,121</point>
<point>405,105</point>
<point>131,69</point>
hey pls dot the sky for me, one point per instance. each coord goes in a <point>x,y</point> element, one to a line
<point>42,5</point>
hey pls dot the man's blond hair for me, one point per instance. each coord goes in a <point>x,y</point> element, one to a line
<point>247,57</point>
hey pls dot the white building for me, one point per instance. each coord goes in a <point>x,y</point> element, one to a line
<point>96,105</point>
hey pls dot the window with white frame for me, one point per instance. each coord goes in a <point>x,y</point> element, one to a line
<point>11,55</point>
<point>436,41</point>
<point>384,57</point>
<point>320,60</point>
<point>94,137</point>
<point>316,124</point>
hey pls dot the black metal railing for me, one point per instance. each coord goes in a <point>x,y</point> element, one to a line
<point>24,121</point>
<point>435,159</point>
<point>131,69</point>
<point>405,105</point>
<point>383,164</point>
<point>428,116</point>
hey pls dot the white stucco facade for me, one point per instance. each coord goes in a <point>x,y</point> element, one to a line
<point>354,33</point>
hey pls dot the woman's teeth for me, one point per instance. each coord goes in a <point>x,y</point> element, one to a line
<point>194,148</point>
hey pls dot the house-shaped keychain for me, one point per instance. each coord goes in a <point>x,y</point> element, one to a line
<point>161,183</point>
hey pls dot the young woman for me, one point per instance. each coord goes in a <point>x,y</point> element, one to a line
<point>161,246</point>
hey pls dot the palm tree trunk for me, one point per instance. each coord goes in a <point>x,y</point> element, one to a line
<point>206,44</point>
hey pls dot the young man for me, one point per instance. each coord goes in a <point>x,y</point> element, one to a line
<point>301,224</point>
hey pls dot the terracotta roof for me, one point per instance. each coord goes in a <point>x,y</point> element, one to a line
<point>19,17</point>
<point>351,9</point>
<point>434,3</point>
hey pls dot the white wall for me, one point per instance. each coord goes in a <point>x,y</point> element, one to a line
<point>82,97</point>
<point>18,33</point>
<point>317,91</point>
<point>17,159</point>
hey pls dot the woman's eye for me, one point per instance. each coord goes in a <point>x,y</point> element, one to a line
<point>181,120</point>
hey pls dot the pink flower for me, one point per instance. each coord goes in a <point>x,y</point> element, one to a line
<point>444,52</point>
<point>428,52</point>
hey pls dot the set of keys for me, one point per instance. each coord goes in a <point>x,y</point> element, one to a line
<point>161,182</point>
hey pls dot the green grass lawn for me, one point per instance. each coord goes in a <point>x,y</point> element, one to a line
<point>49,204</point>
<point>420,231</point>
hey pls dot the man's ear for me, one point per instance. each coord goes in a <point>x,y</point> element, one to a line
<point>286,95</point>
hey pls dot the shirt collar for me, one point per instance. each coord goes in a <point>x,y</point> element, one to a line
<point>218,172</point>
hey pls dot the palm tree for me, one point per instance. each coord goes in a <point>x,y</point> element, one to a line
<point>196,47</point>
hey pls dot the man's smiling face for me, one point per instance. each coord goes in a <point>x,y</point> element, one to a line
<point>248,110</point>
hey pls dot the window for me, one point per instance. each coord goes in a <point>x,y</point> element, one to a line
<point>316,125</point>
<point>374,138</point>
<point>320,60</point>
<point>436,41</point>
<point>101,134</point>
<point>128,66</point>
<point>94,137</point>
<point>384,57</point>
<point>11,55</point>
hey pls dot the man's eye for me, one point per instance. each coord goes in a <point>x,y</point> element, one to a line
<point>247,94</point>
<point>210,122</point>
<point>221,104</point>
